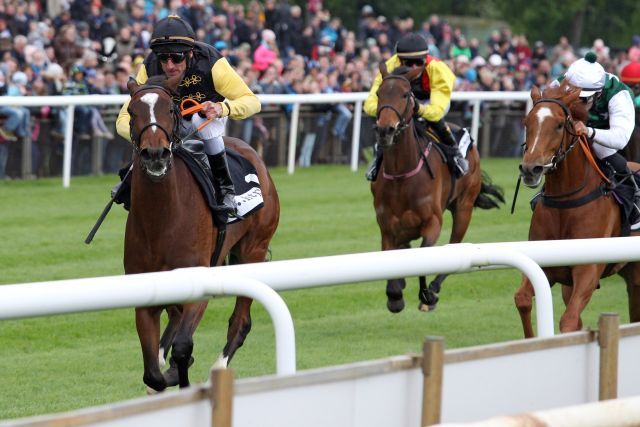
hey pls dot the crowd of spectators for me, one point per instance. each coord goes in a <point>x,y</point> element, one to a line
<point>93,46</point>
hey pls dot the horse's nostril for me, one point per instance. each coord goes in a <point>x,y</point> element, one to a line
<point>538,169</point>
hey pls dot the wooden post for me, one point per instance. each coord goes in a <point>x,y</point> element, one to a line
<point>221,397</point>
<point>608,340</point>
<point>432,368</point>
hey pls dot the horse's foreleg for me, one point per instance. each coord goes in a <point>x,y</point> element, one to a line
<point>395,300</point>
<point>524,302</point>
<point>148,326</point>
<point>239,327</point>
<point>585,278</point>
<point>428,296</point>
<point>631,274</point>
<point>183,341</point>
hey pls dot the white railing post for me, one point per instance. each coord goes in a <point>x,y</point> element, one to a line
<point>68,144</point>
<point>355,140</point>
<point>293,137</point>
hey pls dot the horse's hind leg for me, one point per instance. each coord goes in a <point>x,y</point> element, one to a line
<point>183,341</point>
<point>148,326</point>
<point>524,302</point>
<point>395,300</point>
<point>239,328</point>
<point>169,333</point>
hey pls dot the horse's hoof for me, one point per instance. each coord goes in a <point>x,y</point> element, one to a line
<point>152,392</point>
<point>396,305</point>
<point>426,307</point>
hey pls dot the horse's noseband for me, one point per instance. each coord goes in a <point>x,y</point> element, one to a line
<point>403,118</point>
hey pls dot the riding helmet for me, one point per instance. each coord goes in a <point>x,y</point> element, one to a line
<point>586,74</point>
<point>412,46</point>
<point>630,74</point>
<point>172,35</point>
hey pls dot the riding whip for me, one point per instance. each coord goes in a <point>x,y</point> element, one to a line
<point>106,209</point>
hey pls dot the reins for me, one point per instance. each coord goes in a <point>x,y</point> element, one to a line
<point>562,153</point>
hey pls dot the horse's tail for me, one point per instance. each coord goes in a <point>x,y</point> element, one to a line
<point>490,195</point>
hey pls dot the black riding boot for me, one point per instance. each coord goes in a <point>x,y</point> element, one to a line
<point>446,137</point>
<point>621,173</point>
<point>374,167</point>
<point>222,182</point>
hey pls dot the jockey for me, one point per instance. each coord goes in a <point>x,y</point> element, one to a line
<point>207,78</point>
<point>432,90</point>
<point>630,75</point>
<point>611,117</point>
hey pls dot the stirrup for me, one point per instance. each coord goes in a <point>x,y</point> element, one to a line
<point>462,165</point>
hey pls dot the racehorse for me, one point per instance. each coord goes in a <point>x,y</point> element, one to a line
<point>170,225</point>
<point>415,184</point>
<point>576,203</point>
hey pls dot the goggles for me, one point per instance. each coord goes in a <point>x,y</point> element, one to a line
<point>412,62</point>
<point>176,58</point>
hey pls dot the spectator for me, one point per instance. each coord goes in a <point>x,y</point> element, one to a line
<point>634,50</point>
<point>267,52</point>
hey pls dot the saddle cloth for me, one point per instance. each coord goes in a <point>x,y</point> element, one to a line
<point>243,174</point>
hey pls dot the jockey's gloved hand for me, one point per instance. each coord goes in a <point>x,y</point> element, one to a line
<point>212,130</point>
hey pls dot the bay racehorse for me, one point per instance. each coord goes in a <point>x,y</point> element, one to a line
<point>415,184</point>
<point>170,225</point>
<point>576,203</point>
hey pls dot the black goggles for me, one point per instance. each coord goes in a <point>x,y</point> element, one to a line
<point>176,58</point>
<point>413,62</point>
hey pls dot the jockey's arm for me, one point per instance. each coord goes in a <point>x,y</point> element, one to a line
<point>441,80</point>
<point>122,122</point>
<point>240,102</point>
<point>621,123</point>
<point>370,105</point>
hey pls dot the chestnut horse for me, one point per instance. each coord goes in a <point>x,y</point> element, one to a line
<point>576,203</point>
<point>415,185</point>
<point>170,225</point>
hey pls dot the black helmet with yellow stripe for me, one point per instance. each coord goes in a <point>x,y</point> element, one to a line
<point>412,46</point>
<point>172,35</point>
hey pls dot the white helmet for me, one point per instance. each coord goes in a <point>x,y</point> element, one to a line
<point>586,74</point>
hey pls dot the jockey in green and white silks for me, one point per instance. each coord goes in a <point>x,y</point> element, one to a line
<point>611,118</point>
<point>612,115</point>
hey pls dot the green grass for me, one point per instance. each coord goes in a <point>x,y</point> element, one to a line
<point>59,363</point>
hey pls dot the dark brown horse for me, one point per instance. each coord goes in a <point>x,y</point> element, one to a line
<point>170,225</point>
<point>415,185</point>
<point>575,204</point>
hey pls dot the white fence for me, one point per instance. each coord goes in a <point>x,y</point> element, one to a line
<point>18,301</point>
<point>450,386</point>
<point>475,98</point>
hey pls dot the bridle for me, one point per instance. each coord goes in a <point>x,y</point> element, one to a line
<point>403,119</point>
<point>569,129</point>
<point>174,141</point>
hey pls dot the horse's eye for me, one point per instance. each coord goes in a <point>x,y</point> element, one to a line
<point>560,127</point>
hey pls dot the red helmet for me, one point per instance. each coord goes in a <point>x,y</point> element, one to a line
<point>630,74</point>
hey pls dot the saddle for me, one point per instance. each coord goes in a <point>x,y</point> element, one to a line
<point>243,174</point>
<point>463,139</point>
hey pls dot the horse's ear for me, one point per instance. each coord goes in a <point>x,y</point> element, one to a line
<point>172,83</point>
<point>132,85</point>
<point>535,94</point>
<point>383,69</point>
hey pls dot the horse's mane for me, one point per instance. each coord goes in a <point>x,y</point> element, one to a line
<point>156,80</point>
<point>563,91</point>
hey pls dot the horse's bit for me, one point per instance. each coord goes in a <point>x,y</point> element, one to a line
<point>403,123</point>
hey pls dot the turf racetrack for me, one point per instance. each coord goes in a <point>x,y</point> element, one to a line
<point>66,362</point>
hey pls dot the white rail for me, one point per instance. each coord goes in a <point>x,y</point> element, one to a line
<point>356,97</point>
